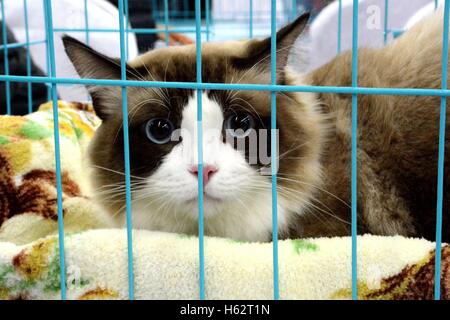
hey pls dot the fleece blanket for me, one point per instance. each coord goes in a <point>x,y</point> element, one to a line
<point>166,265</point>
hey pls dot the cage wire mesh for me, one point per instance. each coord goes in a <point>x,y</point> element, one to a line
<point>203,20</point>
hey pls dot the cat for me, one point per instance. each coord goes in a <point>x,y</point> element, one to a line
<point>397,139</point>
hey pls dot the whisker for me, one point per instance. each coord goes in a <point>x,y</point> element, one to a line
<point>117,172</point>
<point>293,192</point>
<point>283,176</point>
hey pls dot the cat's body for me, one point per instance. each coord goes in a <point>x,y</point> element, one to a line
<point>398,139</point>
<point>397,142</point>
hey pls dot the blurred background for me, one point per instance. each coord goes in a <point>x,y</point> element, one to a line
<point>158,23</point>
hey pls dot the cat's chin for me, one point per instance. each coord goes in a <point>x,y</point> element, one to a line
<point>207,199</point>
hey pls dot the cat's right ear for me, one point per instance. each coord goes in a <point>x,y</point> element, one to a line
<point>258,52</point>
<point>91,64</point>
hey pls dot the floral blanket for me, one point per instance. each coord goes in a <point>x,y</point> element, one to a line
<point>166,265</point>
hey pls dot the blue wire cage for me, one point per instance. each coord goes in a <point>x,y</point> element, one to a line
<point>196,19</point>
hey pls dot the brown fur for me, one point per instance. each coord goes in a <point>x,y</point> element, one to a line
<point>397,139</point>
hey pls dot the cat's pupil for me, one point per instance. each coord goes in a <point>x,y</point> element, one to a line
<point>239,125</point>
<point>241,121</point>
<point>159,130</point>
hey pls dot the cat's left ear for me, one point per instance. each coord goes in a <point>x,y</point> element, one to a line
<point>91,64</point>
<point>258,51</point>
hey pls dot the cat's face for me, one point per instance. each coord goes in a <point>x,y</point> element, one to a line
<point>236,139</point>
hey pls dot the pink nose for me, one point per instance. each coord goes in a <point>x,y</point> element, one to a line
<point>208,171</point>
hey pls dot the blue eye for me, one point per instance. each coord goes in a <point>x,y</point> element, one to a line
<point>240,125</point>
<point>159,130</point>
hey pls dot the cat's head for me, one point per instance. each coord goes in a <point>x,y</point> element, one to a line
<point>236,137</point>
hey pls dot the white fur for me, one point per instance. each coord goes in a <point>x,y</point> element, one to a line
<point>237,199</point>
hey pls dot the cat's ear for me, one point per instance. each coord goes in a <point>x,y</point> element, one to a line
<point>91,64</point>
<point>258,51</point>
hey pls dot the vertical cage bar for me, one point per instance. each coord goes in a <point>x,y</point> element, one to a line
<point>354,151</point>
<point>166,21</point>
<point>126,149</point>
<point>185,9</point>
<point>47,57</point>
<point>174,8</point>
<point>86,20</point>
<point>339,43</point>
<point>250,19</point>
<point>6,62</point>
<point>441,157</point>
<point>386,21</point>
<point>27,39</point>
<point>293,9</point>
<point>436,3</point>
<point>51,54</point>
<point>274,166</point>
<point>127,26</point>
<point>201,245</point>
<point>154,7</point>
<point>87,35</point>
<point>207,19</point>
